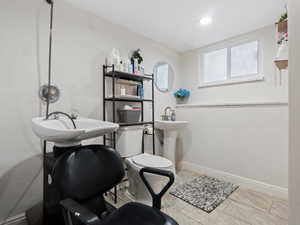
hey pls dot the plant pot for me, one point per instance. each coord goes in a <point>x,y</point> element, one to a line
<point>283,51</point>
<point>182,100</point>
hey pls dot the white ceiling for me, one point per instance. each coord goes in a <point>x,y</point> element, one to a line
<point>175,23</point>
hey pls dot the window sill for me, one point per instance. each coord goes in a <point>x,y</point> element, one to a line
<point>232,82</point>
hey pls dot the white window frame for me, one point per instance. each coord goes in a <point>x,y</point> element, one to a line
<point>229,79</point>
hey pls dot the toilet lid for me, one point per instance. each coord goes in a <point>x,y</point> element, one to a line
<point>147,160</point>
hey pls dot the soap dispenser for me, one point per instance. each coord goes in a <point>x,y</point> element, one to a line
<point>173,115</point>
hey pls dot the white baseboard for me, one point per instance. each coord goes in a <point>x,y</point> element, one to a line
<point>15,220</point>
<point>242,181</point>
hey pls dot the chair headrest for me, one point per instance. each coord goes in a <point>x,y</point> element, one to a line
<point>88,172</point>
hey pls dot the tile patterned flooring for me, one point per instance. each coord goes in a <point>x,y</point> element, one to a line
<point>243,207</point>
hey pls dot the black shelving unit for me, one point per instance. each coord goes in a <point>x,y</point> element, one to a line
<point>127,99</point>
<point>109,72</point>
<point>127,76</point>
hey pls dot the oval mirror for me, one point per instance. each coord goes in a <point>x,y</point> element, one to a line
<point>163,76</point>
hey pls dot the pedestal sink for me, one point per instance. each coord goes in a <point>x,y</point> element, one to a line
<point>170,131</point>
<point>61,131</point>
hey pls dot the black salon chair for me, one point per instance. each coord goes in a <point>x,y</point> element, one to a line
<point>83,176</point>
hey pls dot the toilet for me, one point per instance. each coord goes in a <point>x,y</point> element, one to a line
<point>129,145</point>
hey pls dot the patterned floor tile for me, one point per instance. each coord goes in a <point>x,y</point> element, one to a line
<point>181,218</point>
<point>170,201</point>
<point>185,176</point>
<point>252,215</point>
<point>252,198</point>
<point>243,207</point>
<point>280,208</point>
<point>217,217</point>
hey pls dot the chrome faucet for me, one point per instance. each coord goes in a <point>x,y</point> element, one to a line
<point>56,116</point>
<point>74,114</point>
<point>166,109</point>
<point>166,115</point>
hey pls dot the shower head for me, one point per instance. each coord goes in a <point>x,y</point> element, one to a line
<point>49,1</point>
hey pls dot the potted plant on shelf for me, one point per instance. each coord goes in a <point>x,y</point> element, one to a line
<point>136,61</point>
<point>182,95</point>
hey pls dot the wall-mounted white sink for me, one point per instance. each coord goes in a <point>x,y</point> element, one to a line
<point>62,133</point>
<point>170,125</point>
<point>170,131</point>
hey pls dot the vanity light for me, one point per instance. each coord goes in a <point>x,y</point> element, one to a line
<point>206,20</point>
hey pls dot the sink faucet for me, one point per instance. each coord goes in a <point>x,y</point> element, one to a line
<point>166,109</point>
<point>166,115</point>
<point>55,114</point>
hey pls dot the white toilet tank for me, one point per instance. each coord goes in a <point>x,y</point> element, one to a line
<point>129,140</point>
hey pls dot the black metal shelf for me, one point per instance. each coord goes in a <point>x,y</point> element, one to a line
<point>110,72</point>
<point>123,99</point>
<point>135,124</point>
<point>128,76</point>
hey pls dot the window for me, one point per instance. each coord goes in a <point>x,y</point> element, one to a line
<point>244,59</point>
<point>211,71</point>
<point>235,64</point>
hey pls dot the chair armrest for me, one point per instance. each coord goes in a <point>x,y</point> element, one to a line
<point>156,198</point>
<point>72,208</point>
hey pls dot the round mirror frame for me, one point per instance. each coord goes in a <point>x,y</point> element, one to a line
<point>170,77</point>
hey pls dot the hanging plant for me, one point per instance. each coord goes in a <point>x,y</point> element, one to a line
<point>136,55</point>
<point>283,17</point>
<point>283,38</point>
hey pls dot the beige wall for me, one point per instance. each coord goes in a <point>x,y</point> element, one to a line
<point>245,140</point>
<point>294,112</point>
<point>269,90</point>
<point>81,42</point>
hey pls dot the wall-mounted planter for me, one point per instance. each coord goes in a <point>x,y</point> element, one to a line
<point>281,60</point>
<point>182,100</point>
<point>282,27</point>
<point>282,64</point>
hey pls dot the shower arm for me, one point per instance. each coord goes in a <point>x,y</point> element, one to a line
<point>50,56</point>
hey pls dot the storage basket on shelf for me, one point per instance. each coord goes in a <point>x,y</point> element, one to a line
<point>129,115</point>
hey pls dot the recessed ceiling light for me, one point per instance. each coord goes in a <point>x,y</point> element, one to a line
<point>206,20</point>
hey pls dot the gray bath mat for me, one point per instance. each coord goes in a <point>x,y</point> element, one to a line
<point>204,192</point>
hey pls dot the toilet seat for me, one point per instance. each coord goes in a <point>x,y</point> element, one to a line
<point>147,160</point>
<point>137,190</point>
